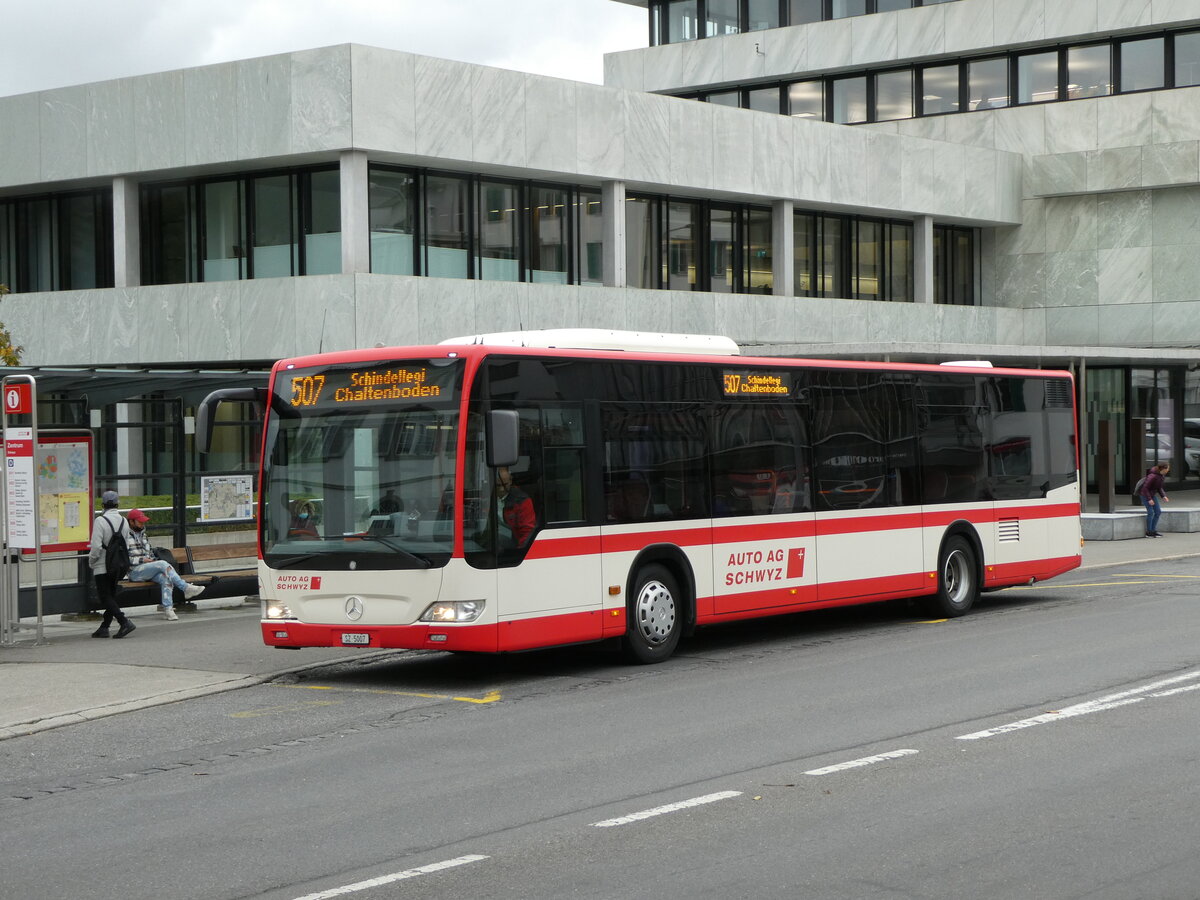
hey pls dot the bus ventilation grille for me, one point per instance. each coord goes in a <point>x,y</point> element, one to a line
<point>1009,530</point>
<point>1058,393</point>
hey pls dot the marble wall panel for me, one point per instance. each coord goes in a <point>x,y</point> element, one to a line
<point>625,69</point>
<point>733,147</point>
<point>601,307</point>
<point>1067,18</point>
<point>773,171</point>
<point>110,128</point>
<point>811,150</point>
<point>900,322</point>
<point>548,306</point>
<point>24,317</point>
<point>1176,216</point>
<point>1010,180</point>
<point>1176,323</point>
<point>884,171</point>
<point>1020,130</point>
<point>551,125</point>
<point>211,122</point>
<point>1114,15</point>
<point>816,319</point>
<point>1030,237</point>
<point>1167,12</point>
<point>1033,328</point>
<point>1071,279</point>
<point>920,32</point>
<point>1070,223</point>
<point>600,131</point>
<point>387,310</point>
<point>693,313</point>
<point>932,128</point>
<point>649,310</point>
<point>848,162</point>
<point>1059,173</point>
<point>1126,276</point>
<point>743,58</point>
<point>786,49</point>
<point>1124,121</point>
<point>702,62</point>
<point>648,137</point>
<point>446,308</point>
<point>1124,220</point>
<point>1021,281</point>
<point>1164,165</point>
<point>1176,115</point>
<point>873,39</point>
<point>830,44</point>
<point>1073,326</point>
<point>1125,326</point>
<point>1114,170</point>
<point>1176,273</point>
<point>970,24</point>
<point>980,176</point>
<point>1070,127</point>
<point>215,328</point>
<point>443,109</point>
<point>971,131</point>
<point>321,99</point>
<point>1019,21</point>
<point>106,323</point>
<point>498,124</point>
<point>949,172</point>
<point>774,317</point>
<point>63,126</point>
<point>384,99</point>
<point>965,325</point>
<point>268,317</point>
<point>325,314</point>
<point>162,323</point>
<point>20,139</point>
<point>690,142</point>
<point>264,106</point>
<point>506,306</point>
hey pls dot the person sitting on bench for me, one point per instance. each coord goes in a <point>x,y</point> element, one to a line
<point>145,566</point>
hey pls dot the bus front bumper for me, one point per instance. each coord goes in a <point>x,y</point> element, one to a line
<point>291,634</point>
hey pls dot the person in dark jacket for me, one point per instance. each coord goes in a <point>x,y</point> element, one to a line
<point>516,510</point>
<point>1152,489</point>
<point>107,525</point>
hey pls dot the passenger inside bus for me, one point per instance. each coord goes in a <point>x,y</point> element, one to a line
<point>514,510</point>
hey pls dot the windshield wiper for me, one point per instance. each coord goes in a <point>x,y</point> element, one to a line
<point>292,560</point>
<point>424,561</point>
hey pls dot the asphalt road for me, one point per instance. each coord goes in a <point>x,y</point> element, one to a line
<point>1043,747</point>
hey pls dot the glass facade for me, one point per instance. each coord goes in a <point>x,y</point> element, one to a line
<point>854,257</point>
<point>57,242</point>
<point>268,225</point>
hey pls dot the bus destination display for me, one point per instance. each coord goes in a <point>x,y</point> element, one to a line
<point>364,386</point>
<point>757,383</point>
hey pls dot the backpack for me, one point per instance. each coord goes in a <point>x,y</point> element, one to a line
<point>116,553</point>
<point>1137,488</point>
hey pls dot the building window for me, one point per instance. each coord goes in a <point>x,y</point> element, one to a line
<point>987,83</point>
<point>801,12</point>
<point>641,242</point>
<point>1089,71</point>
<point>953,265</point>
<point>763,99</point>
<point>59,242</point>
<point>1037,77</point>
<point>841,9</point>
<point>589,231</point>
<point>447,234</point>
<point>939,90</point>
<point>721,18</point>
<point>1187,59</point>
<point>1143,63</point>
<point>392,202</point>
<point>894,95</point>
<point>499,231</point>
<point>849,100</point>
<point>846,256</point>
<point>549,239</point>
<point>806,100</point>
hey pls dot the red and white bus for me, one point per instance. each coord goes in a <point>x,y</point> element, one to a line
<point>507,492</point>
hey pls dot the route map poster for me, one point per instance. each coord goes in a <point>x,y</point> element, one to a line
<point>224,497</point>
<point>61,473</point>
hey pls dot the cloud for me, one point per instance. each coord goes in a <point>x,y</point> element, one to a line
<point>53,43</point>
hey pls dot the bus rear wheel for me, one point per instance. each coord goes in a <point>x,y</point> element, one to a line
<point>655,617</point>
<point>958,580</point>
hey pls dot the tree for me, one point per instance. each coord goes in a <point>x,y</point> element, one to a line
<point>9,355</point>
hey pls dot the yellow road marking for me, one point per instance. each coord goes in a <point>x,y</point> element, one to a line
<point>489,697</point>
<point>1156,576</point>
<point>929,622</point>
<point>272,710</point>
<point>1044,584</point>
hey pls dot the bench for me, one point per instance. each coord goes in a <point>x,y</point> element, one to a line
<point>216,580</point>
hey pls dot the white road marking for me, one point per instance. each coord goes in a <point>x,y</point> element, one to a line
<point>1112,701</point>
<point>865,761</point>
<point>395,876</point>
<point>669,808</point>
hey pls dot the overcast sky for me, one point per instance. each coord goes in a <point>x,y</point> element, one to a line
<point>52,43</point>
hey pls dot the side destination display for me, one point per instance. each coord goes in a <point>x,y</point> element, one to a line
<point>348,386</point>
<point>756,383</point>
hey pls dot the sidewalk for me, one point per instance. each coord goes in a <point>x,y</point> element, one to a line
<point>73,677</point>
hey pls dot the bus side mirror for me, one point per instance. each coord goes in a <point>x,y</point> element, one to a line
<point>502,438</point>
<point>206,412</point>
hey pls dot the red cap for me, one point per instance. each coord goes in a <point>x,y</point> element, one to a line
<point>136,515</point>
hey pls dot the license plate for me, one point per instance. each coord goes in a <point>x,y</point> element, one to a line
<point>356,639</point>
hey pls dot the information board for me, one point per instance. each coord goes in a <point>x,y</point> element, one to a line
<point>224,497</point>
<point>59,472</point>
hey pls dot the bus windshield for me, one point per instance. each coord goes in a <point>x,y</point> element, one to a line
<point>359,466</point>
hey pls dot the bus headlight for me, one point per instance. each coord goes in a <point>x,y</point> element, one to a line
<point>275,610</point>
<point>454,611</point>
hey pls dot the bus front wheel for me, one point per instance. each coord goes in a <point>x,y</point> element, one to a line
<point>958,580</point>
<point>655,617</point>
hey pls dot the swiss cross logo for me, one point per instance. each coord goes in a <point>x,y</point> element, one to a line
<point>796,562</point>
<point>314,583</point>
<point>17,399</point>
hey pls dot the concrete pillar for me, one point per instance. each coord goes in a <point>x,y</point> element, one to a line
<point>923,259</point>
<point>783,259</point>
<point>127,248</point>
<point>356,215</point>
<point>612,202</point>
<point>129,449</point>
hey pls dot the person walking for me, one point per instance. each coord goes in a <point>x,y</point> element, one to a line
<point>146,567</point>
<point>107,526</point>
<point>1150,491</point>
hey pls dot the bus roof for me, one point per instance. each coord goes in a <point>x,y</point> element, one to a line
<point>604,339</point>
